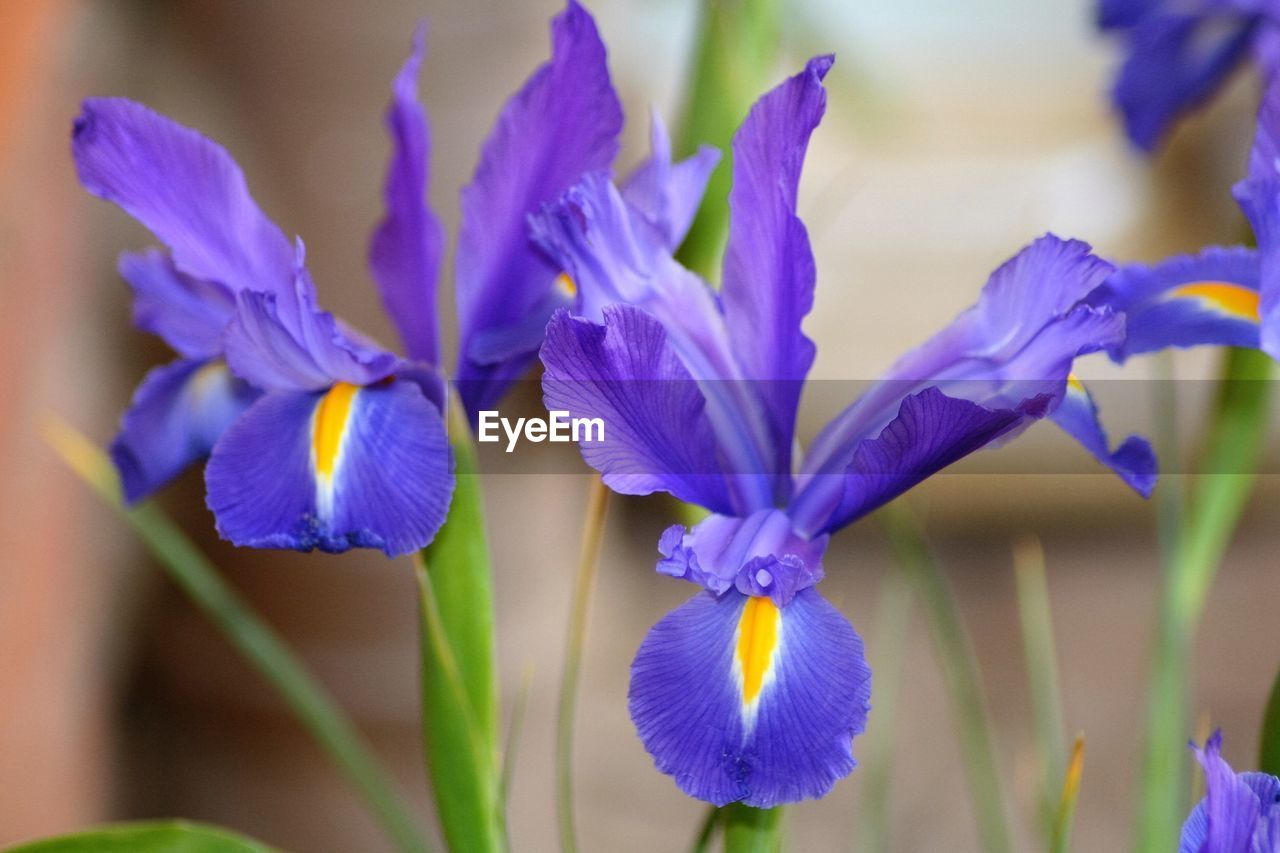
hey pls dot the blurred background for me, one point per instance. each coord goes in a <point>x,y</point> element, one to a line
<point>955,133</point>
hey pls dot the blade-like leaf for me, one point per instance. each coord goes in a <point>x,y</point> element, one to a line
<point>318,713</point>
<point>150,837</point>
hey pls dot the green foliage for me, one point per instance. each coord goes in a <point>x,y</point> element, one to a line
<point>150,837</point>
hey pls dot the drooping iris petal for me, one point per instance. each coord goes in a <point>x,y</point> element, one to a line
<point>184,188</point>
<point>187,313</point>
<point>178,413</point>
<point>656,433</point>
<point>1240,812</point>
<point>741,700</point>
<point>343,468</point>
<point>1184,301</point>
<point>1114,14</point>
<point>1006,353</point>
<point>668,194</point>
<point>769,270</point>
<point>930,432</point>
<point>405,252</point>
<point>1175,62</point>
<point>1134,460</point>
<point>563,123</point>
<point>759,555</point>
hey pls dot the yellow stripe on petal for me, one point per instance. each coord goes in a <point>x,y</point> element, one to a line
<point>1074,383</point>
<point>1225,297</point>
<point>566,285</point>
<point>757,643</point>
<point>329,425</point>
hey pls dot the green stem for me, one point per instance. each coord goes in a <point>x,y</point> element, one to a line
<point>751,830</point>
<point>1060,840</point>
<point>1036,618</point>
<point>960,670</point>
<point>459,691</point>
<point>707,830</point>
<point>737,42</point>
<point>588,563</point>
<point>254,639</point>
<point>893,618</point>
<point>1233,448</point>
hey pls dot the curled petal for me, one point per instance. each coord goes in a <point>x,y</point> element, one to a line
<point>1239,811</point>
<point>187,313</point>
<point>668,194</point>
<point>741,700</point>
<point>184,188</point>
<point>348,467</point>
<point>1133,461</point>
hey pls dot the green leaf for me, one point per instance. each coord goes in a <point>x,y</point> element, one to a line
<point>751,830</point>
<point>175,836</point>
<point>738,40</point>
<point>1269,745</point>
<point>1232,449</point>
<point>960,671</point>
<point>1035,616</point>
<point>893,619</point>
<point>575,645</point>
<point>311,705</point>
<point>459,691</point>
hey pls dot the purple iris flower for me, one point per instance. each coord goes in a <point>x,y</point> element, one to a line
<point>1240,812</point>
<point>316,436</point>
<point>1225,296</point>
<point>753,690</point>
<point>1180,52</point>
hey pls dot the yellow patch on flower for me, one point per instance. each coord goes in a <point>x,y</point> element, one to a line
<point>1224,296</point>
<point>566,285</point>
<point>329,425</point>
<point>757,642</point>
<point>1074,383</point>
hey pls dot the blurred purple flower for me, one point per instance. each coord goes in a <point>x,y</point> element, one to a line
<point>1180,52</point>
<point>1224,296</point>
<point>1240,812</point>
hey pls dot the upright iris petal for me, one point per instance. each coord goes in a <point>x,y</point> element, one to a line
<point>405,252</point>
<point>564,122</point>
<point>1240,812</point>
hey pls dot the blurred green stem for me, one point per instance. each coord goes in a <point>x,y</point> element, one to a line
<point>588,564</point>
<point>1035,616</point>
<point>251,636</point>
<point>1060,841</point>
<point>707,830</point>
<point>737,44</point>
<point>751,830</point>
<point>960,671</point>
<point>1232,450</point>
<point>459,689</point>
<point>893,617</point>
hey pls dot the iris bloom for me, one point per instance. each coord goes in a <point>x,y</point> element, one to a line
<point>1240,812</point>
<point>1180,52</point>
<point>753,689</point>
<point>1227,296</point>
<point>316,436</point>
